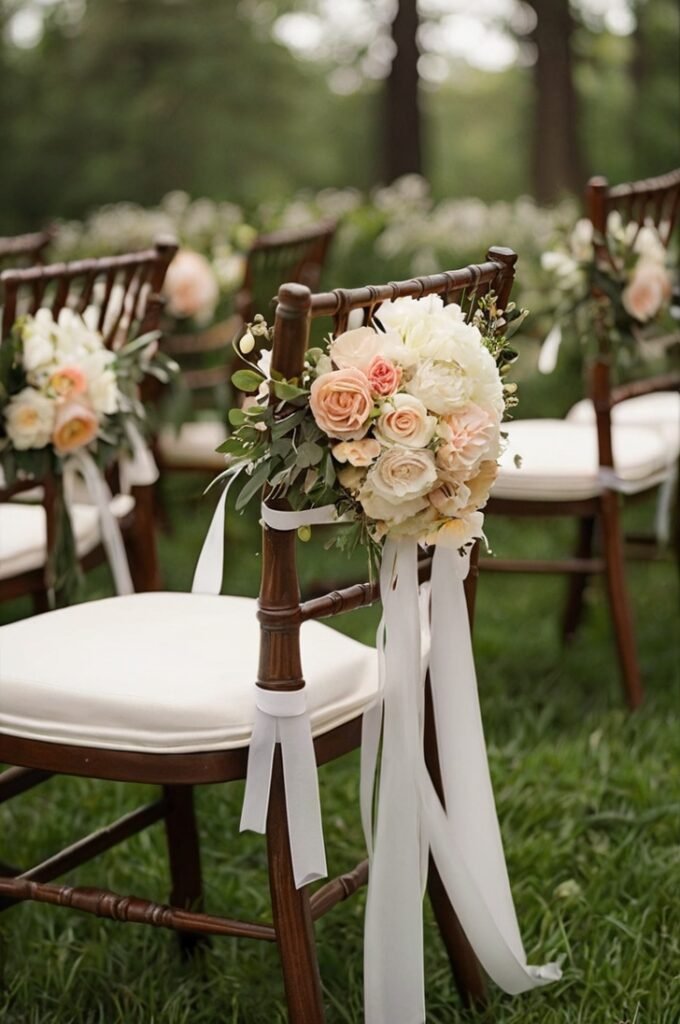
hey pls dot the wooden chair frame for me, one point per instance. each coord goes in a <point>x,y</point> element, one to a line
<point>292,255</point>
<point>656,200</point>
<point>72,284</point>
<point>281,614</point>
<point>19,249</point>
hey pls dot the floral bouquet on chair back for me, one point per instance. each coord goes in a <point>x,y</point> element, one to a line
<point>397,424</point>
<point>621,283</point>
<point>66,400</point>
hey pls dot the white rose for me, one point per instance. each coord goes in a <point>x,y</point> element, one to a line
<point>441,387</point>
<point>404,420</point>
<point>581,241</point>
<point>392,512</point>
<point>402,473</point>
<point>30,419</point>
<point>649,245</point>
<point>559,263</point>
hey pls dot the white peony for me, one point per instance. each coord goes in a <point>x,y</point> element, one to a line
<point>649,246</point>
<point>39,338</point>
<point>104,394</point>
<point>441,387</point>
<point>29,419</point>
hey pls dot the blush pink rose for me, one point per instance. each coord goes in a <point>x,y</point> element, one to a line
<point>383,376</point>
<point>648,290</point>
<point>341,403</point>
<point>191,286</point>
<point>68,381</point>
<point>75,425</point>
<point>469,436</point>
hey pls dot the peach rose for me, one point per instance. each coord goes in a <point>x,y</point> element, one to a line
<point>357,453</point>
<point>468,436</point>
<point>405,420</point>
<point>341,403</point>
<point>191,286</point>
<point>649,288</point>
<point>75,425</point>
<point>383,376</point>
<point>355,349</point>
<point>68,381</point>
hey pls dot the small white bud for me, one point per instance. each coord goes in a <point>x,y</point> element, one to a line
<point>247,343</point>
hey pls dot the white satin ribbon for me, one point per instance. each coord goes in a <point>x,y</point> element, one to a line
<point>112,539</point>
<point>549,351</point>
<point>138,469</point>
<point>610,479</point>
<point>462,832</point>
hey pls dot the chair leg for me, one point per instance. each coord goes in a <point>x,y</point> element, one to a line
<point>619,603</point>
<point>292,915</point>
<point>184,855</point>
<point>576,585</point>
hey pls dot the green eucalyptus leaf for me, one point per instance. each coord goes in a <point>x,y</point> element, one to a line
<point>287,392</point>
<point>254,484</point>
<point>237,417</point>
<point>246,380</point>
<point>309,454</point>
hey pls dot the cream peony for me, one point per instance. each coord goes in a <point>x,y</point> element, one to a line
<point>191,286</point>
<point>404,420</point>
<point>402,473</point>
<point>341,403</point>
<point>357,453</point>
<point>29,419</point>
<point>441,387</point>
<point>456,533</point>
<point>39,339</point>
<point>649,288</point>
<point>469,436</point>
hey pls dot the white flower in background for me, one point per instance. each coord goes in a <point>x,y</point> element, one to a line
<point>559,263</point>
<point>649,246</point>
<point>615,224</point>
<point>229,267</point>
<point>581,240</point>
<point>39,339</point>
<point>404,420</point>
<point>104,394</point>
<point>191,287</point>
<point>29,419</point>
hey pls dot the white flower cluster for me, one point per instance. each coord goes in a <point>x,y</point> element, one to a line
<point>71,384</point>
<point>414,416</point>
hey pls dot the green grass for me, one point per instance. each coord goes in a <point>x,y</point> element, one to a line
<point>588,797</point>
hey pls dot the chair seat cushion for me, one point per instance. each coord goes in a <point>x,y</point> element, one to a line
<point>23,535</point>
<point>659,411</point>
<point>163,673</point>
<point>193,446</point>
<point>559,460</point>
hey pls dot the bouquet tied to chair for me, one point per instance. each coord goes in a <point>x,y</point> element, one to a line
<point>69,404</point>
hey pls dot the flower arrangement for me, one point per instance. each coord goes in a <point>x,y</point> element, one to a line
<point>398,424</point>
<point>620,283</point>
<point>63,392</point>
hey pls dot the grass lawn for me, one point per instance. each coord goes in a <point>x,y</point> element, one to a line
<point>588,797</point>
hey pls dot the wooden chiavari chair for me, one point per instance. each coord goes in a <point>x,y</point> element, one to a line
<point>624,438</point>
<point>127,292</point>
<point>23,250</point>
<point>182,714</point>
<point>294,255</point>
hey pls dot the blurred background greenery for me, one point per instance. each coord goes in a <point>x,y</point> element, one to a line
<point>249,100</point>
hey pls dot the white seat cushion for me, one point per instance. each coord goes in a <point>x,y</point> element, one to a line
<point>660,411</point>
<point>163,673</point>
<point>193,445</point>
<point>23,535</point>
<point>559,460</point>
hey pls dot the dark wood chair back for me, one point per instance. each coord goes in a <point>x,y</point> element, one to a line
<point>294,255</point>
<point>280,610</point>
<point>650,201</point>
<point>126,291</point>
<point>23,250</point>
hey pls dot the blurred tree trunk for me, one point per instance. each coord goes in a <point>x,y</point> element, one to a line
<point>557,164</point>
<point>402,152</point>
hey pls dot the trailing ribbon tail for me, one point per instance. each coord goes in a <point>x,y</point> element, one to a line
<point>111,536</point>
